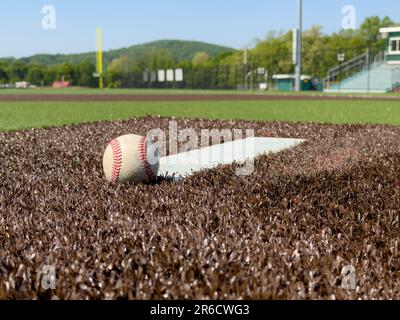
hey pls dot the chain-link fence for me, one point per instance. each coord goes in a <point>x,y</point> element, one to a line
<point>332,70</point>
<point>218,77</point>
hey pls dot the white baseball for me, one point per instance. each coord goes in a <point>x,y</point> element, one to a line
<point>130,158</point>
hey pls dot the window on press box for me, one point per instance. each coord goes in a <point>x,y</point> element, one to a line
<point>395,45</point>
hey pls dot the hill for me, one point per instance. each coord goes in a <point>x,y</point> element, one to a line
<point>180,50</point>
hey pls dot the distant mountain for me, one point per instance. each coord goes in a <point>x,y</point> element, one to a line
<point>180,50</point>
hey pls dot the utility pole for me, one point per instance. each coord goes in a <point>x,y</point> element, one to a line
<point>299,44</point>
<point>245,62</point>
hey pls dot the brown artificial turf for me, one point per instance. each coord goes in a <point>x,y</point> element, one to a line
<point>285,232</point>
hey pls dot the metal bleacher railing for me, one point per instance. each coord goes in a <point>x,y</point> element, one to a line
<point>363,74</point>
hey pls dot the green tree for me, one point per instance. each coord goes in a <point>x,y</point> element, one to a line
<point>50,74</point>
<point>157,59</point>
<point>200,59</point>
<point>121,72</point>
<point>84,74</point>
<point>16,71</point>
<point>314,42</point>
<point>67,72</point>
<point>369,30</point>
<point>348,42</point>
<point>3,74</point>
<point>274,53</point>
<point>320,51</point>
<point>35,74</point>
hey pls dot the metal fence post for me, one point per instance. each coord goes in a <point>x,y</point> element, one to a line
<point>368,70</point>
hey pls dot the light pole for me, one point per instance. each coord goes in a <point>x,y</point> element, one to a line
<point>299,44</point>
<point>341,58</point>
<point>245,62</point>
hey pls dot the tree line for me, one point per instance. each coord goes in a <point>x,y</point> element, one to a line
<point>80,74</point>
<point>320,51</point>
<point>274,54</point>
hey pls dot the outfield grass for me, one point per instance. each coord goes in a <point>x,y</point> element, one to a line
<point>86,91</point>
<point>22,115</point>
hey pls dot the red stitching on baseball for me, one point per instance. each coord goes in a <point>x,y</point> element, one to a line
<point>143,160</point>
<point>117,160</point>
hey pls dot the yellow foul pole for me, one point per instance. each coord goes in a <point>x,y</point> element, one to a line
<point>99,60</point>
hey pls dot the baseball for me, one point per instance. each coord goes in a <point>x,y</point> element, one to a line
<point>130,158</point>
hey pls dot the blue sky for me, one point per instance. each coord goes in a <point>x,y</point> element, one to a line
<point>232,23</point>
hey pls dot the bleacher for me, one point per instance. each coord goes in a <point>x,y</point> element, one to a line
<point>361,74</point>
<point>378,78</point>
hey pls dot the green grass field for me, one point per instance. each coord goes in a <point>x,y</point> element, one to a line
<point>22,115</point>
<point>85,91</point>
<point>107,91</point>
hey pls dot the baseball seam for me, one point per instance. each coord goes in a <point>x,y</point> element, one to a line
<point>143,160</point>
<point>117,160</point>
